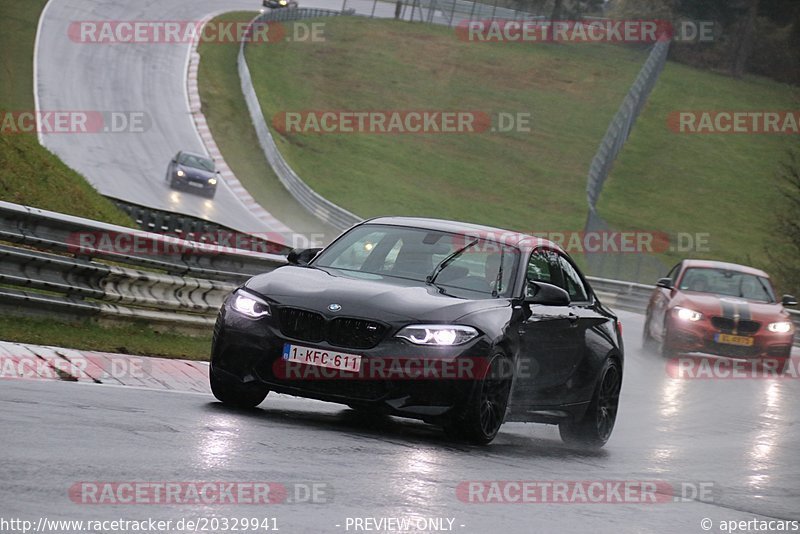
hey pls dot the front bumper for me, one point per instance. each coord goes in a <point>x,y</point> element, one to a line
<point>193,185</point>
<point>702,337</point>
<point>251,350</point>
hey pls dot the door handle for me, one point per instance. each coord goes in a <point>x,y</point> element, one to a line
<point>573,319</point>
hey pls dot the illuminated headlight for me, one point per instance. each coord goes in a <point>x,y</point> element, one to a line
<point>781,327</point>
<point>212,181</point>
<point>180,173</point>
<point>250,305</point>
<point>685,314</point>
<point>282,2</point>
<point>438,334</point>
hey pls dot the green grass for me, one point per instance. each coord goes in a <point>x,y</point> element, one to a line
<point>720,184</point>
<point>527,181</point>
<point>32,175</point>
<point>130,338</point>
<point>227,116</point>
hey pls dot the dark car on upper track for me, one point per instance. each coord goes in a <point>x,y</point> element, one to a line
<point>459,325</point>
<point>193,172</point>
<point>719,308</point>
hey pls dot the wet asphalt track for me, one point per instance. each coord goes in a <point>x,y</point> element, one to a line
<point>741,435</point>
<point>147,78</point>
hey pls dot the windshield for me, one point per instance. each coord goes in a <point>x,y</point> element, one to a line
<point>198,162</point>
<point>727,283</point>
<point>454,263</point>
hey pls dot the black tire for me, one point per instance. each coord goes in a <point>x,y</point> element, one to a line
<point>666,349</point>
<point>648,342</point>
<point>235,394</point>
<point>594,428</point>
<point>480,419</point>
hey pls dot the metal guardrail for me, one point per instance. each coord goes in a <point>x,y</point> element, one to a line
<point>634,297</point>
<point>319,206</point>
<point>469,10</point>
<point>61,264</point>
<point>192,228</point>
<point>622,123</point>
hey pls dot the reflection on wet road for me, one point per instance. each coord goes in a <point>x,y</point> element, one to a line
<point>737,437</point>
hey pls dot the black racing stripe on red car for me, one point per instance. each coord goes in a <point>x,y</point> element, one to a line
<point>744,311</point>
<point>728,309</point>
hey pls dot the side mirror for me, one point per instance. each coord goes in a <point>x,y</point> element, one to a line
<point>666,283</point>
<point>547,295</point>
<point>302,256</point>
<point>789,300</point>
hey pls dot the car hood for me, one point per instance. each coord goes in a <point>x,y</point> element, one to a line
<point>383,299</point>
<point>713,305</point>
<point>194,172</point>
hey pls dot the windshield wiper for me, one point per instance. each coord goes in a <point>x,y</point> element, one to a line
<point>442,265</point>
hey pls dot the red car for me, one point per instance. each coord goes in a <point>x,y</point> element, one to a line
<point>719,308</point>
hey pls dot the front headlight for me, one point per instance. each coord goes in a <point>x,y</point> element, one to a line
<point>438,334</point>
<point>686,314</point>
<point>180,173</point>
<point>212,181</point>
<point>250,305</point>
<point>781,327</point>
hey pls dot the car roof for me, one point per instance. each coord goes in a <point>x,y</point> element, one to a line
<point>710,264</point>
<point>507,237</point>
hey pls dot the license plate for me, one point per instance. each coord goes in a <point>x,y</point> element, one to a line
<point>742,341</point>
<point>196,184</point>
<point>322,358</point>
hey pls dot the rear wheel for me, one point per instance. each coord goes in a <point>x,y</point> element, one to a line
<point>594,428</point>
<point>236,394</point>
<point>480,419</point>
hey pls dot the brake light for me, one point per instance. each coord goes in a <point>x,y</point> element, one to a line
<point>619,328</point>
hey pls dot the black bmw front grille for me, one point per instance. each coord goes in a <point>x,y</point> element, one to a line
<point>341,331</point>
<point>354,333</point>
<point>302,324</point>
<point>727,325</point>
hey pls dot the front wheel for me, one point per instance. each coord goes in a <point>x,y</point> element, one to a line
<point>480,419</point>
<point>236,394</point>
<point>594,428</point>
<point>648,342</point>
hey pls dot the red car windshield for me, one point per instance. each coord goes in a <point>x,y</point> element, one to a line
<point>727,283</point>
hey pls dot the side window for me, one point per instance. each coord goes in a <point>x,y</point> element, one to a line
<point>543,267</point>
<point>572,281</point>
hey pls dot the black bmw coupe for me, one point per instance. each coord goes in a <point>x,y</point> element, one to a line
<point>459,325</point>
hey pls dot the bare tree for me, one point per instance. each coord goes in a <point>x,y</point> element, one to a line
<point>786,257</point>
<point>744,45</point>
